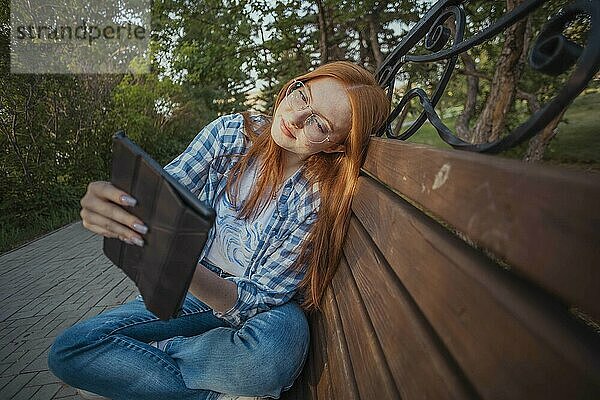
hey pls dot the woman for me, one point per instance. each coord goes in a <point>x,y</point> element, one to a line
<point>282,190</point>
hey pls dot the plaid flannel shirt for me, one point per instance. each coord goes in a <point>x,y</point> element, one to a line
<point>269,280</point>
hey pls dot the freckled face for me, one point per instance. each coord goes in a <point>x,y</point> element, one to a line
<point>328,99</point>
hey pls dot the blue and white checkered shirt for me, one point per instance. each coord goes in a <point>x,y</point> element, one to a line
<point>269,280</point>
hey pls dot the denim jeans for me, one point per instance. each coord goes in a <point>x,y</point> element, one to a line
<point>109,354</point>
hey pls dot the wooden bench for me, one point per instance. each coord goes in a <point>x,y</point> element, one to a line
<point>464,275</point>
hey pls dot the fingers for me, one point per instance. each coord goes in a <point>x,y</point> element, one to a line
<point>107,227</point>
<point>98,229</point>
<point>102,212</point>
<point>106,190</point>
<point>118,214</point>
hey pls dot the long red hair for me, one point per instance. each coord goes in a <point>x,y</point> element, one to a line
<point>337,173</point>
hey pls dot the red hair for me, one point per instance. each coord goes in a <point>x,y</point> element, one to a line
<point>337,173</point>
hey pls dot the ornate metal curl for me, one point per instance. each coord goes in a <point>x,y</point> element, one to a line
<point>551,54</point>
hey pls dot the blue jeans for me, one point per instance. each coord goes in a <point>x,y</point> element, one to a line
<point>109,354</point>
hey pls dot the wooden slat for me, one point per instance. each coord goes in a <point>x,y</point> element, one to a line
<point>511,340</point>
<point>418,361</point>
<point>310,391</point>
<point>342,379</point>
<point>545,222</point>
<point>329,359</point>
<point>373,377</point>
<point>319,367</point>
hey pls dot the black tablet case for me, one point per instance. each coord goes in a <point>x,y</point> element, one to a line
<point>178,224</point>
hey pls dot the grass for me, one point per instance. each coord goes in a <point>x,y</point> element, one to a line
<point>577,144</point>
<point>578,140</point>
<point>13,234</point>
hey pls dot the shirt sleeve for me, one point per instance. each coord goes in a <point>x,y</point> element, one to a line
<point>191,167</point>
<point>274,283</point>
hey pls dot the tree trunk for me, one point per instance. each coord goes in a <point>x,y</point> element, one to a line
<point>492,120</point>
<point>462,122</point>
<point>323,40</point>
<point>532,103</point>
<point>374,29</point>
<point>17,149</point>
<point>539,143</point>
<point>329,48</point>
<point>364,50</point>
<point>334,50</point>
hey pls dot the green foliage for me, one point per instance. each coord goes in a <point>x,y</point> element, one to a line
<point>211,48</point>
<point>211,58</point>
<point>287,45</point>
<point>38,223</point>
<point>49,133</point>
<point>151,113</point>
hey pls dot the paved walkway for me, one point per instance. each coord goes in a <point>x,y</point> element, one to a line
<point>46,286</point>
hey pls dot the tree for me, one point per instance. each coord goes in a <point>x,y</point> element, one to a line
<point>509,81</point>
<point>491,123</point>
<point>212,49</point>
<point>286,45</point>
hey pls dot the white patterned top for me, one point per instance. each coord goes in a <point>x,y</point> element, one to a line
<point>271,279</point>
<point>236,239</point>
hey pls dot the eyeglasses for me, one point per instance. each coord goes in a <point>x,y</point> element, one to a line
<point>315,127</point>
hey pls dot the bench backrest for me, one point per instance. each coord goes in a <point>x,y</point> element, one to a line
<point>465,275</point>
<point>414,311</point>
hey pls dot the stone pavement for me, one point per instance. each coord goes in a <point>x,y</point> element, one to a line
<point>46,286</point>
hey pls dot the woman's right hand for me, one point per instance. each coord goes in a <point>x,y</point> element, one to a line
<point>102,213</point>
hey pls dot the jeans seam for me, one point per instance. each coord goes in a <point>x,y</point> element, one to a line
<point>150,319</point>
<point>132,323</point>
<point>151,355</point>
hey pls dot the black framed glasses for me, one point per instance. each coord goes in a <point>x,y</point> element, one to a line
<point>315,128</point>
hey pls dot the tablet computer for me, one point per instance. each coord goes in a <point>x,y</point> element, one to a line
<point>178,224</point>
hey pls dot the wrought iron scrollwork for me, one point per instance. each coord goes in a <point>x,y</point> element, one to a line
<point>552,53</point>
